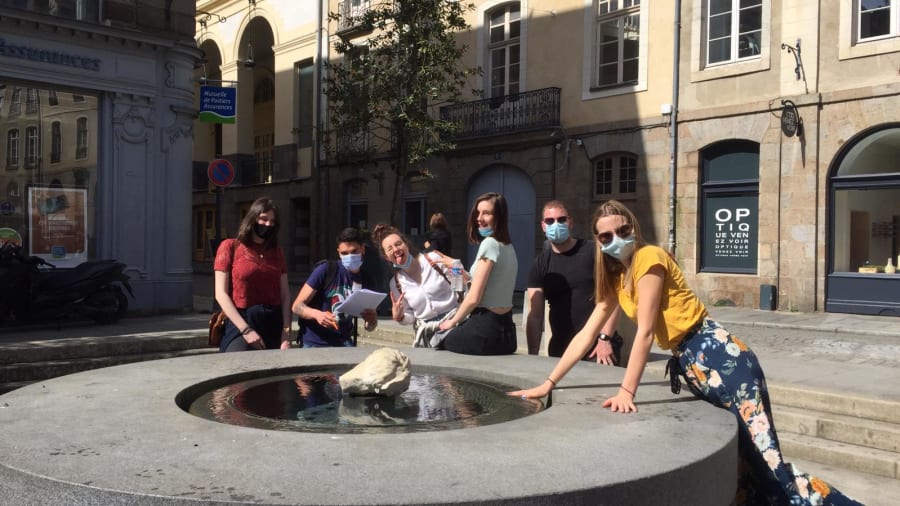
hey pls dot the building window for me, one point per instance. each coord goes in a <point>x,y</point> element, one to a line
<point>263,149</point>
<point>617,47</point>
<point>264,91</point>
<point>31,147</point>
<point>305,102</point>
<point>204,233</point>
<point>55,142</point>
<point>12,149</point>
<point>15,104</point>
<point>53,99</point>
<point>77,98</point>
<point>877,19</point>
<point>12,190</point>
<point>81,139</point>
<point>729,207</point>
<point>615,176</point>
<point>504,50</point>
<point>357,210</point>
<point>31,101</point>
<point>733,30</point>
<point>415,191</point>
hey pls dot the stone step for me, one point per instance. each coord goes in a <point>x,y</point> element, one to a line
<point>845,429</point>
<point>866,488</point>
<point>36,371</point>
<point>834,403</point>
<point>843,455</point>
<point>101,346</point>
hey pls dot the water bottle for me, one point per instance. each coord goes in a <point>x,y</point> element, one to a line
<point>457,283</point>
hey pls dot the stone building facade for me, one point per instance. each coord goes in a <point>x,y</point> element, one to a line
<point>96,112</point>
<point>747,142</point>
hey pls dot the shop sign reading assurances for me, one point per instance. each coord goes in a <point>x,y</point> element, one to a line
<point>48,56</point>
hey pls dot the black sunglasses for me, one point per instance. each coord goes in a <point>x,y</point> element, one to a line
<point>551,221</point>
<point>623,231</point>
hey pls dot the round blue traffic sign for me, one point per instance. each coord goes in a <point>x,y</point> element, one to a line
<point>220,172</point>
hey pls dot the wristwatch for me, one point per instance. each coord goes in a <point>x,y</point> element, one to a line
<point>603,337</point>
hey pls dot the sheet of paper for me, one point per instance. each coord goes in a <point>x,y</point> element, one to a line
<point>359,301</point>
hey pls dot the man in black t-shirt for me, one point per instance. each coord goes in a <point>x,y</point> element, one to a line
<point>563,275</point>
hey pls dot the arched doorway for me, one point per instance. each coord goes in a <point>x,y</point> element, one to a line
<point>514,184</point>
<point>864,224</point>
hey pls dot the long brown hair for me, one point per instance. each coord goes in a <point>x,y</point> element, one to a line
<point>501,218</point>
<point>259,206</point>
<point>606,268</point>
<point>380,233</point>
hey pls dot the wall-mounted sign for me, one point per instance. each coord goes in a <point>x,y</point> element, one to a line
<point>46,56</point>
<point>791,124</point>
<point>218,104</point>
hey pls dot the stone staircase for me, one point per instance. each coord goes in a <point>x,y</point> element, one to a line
<point>858,434</point>
<point>25,361</point>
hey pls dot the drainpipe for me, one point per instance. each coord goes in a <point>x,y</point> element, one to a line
<point>673,126</point>
<point>319,105</point>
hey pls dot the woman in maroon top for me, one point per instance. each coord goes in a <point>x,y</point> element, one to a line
<point>257,303</point>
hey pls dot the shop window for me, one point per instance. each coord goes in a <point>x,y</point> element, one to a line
<point>12,149</point>
<point>729,207</point>
<point>55,142</point>
<point>615,176</point>
<point>55,206</point>
<point>504,50</point>
<point>204,233</point>
<point>866,204</point>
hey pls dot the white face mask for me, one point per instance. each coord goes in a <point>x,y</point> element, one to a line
<point>352,261</point>
<point>618,247</point>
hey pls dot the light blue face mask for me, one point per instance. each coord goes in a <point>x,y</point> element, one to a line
<point>352,261</point>
<point>619,248</point>
<point>486,231</point>
<point>558,233</point>
<point>406,263</point>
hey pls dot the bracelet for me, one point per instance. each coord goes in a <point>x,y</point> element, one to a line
<point>603,337</point>
<point>629,391</point>
<point>286,329</point>
<point>246,331</point>
<point>551,381</point>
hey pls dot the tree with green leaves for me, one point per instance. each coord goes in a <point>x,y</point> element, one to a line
<point>385,90</point>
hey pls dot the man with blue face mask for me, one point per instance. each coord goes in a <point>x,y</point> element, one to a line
<point>563,275</point>
<point>322,292</point>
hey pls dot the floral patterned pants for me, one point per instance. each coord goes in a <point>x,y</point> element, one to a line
<point>722,370</point>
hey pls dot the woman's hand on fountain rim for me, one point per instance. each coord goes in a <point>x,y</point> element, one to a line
<point>533,393</point>
<point>622,402</point>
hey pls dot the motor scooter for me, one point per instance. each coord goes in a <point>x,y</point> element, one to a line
<point>37,291</point>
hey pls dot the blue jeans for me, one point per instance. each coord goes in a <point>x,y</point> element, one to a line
<point>346,343</point>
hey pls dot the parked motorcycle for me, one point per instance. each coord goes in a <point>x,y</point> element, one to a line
<point>34,290</point>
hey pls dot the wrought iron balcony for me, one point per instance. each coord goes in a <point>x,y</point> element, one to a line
<point>350,12</point>
<point>530,110</point>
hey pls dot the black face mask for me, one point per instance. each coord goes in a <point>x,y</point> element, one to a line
<point>263,231</point>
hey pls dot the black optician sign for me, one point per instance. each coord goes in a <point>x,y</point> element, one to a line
<point>46,56</point>
<point>730,233</point>
<point>791,124</point>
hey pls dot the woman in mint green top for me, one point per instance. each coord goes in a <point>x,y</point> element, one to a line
<point>483,324</point>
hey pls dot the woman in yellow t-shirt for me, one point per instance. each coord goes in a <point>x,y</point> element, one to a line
<point>646,282</point>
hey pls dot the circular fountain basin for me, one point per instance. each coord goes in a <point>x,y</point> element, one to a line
<point>121,435</point>
<point>312,401</point>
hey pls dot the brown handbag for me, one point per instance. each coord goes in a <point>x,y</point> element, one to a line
<point>216,328</point>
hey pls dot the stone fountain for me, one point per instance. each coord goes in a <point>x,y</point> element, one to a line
<point>127,435</point>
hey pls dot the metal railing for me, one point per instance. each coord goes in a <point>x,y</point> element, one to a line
<point>350,11</point>
<point>520,112</point>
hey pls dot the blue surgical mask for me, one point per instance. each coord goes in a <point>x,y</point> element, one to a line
<point>619,248</point>
<point>557,232</point>
<point>406,263</point>
<point>352,261</point>
<point>486,231</point>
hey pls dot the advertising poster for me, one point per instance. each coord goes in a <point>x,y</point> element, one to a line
<point>730,233</point>
<point>57,219</point>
